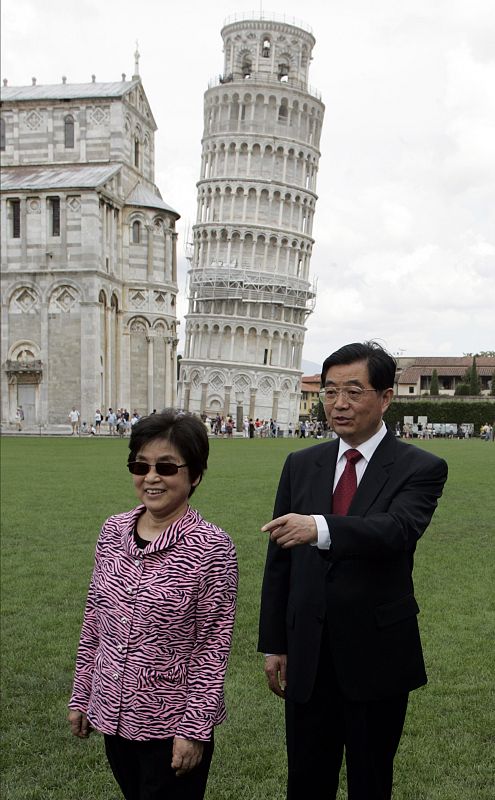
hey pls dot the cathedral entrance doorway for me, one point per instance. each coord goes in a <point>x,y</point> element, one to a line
<point>26,397</point>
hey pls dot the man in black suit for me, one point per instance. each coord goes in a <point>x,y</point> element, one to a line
<point>338,621</point>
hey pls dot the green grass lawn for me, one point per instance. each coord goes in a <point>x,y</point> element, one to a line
<point>55,495</point>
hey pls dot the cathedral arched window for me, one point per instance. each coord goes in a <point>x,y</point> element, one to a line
<point>2,133</point>
<point>69,131</point>
<point>136,232</point>
<point>14,207</point>
<point>136,152</point>
<point>283,73</point>
<point>54,215</point>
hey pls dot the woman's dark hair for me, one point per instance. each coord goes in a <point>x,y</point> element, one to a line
<point>183,431</point>
<point>381,365</point>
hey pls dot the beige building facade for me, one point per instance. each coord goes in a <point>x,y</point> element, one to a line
<point>414,375</point>
<point>88,247</point>
<point>249,287</point>
<point>310,394</point>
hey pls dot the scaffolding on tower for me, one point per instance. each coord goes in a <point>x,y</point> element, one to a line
<point>230,282</point>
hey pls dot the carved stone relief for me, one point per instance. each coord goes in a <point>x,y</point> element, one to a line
<point>64,298</point>
<point>24,300</point>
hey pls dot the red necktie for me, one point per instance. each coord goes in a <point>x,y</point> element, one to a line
<point>347,485</point>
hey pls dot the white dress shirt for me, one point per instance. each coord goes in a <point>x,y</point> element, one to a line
<point>366,449</point>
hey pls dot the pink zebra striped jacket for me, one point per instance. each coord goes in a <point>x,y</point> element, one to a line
<point>157,630</point>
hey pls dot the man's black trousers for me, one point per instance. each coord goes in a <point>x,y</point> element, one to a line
<point>319,731</point>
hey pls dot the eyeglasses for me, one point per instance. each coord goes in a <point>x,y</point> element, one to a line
<point>354,394</point>
<point>161,467</point>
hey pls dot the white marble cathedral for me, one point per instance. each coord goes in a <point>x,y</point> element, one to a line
<point>249,287</point>
<point>88,254</point>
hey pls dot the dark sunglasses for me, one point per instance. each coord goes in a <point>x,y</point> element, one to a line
<point>161,467</point>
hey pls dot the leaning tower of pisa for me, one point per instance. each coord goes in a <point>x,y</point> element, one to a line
<point>249,287</point>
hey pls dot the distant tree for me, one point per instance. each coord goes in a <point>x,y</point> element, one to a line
<point>471,384</point>
<point>474,380</point>
<point>434,389</point>
<point>318,411</point>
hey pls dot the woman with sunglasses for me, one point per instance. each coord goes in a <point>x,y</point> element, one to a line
<point>158,622</point>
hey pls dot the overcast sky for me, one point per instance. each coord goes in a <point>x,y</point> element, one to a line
<point>405,221</point>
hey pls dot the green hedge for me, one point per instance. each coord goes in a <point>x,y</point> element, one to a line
<point>456,412</point>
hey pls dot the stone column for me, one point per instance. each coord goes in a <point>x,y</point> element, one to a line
<point>111,229</point>
<point>257,206</point>
<point>149,254</point>
<point>89,360</point>
<point>166,247</point>
<point>44,356</point>
<point>265,254</point>
<point>270,346</point>
<point>117,355</point>
<point>175,342</point>
<point>174,258</point>
<point>252,403</point>
<point>125,369</point>
<point>107,356</point>
<point>257,349</point>
<point>239,412</point>
<point>12,399</point>
<point>294,406</point>
<point>226,401</point>
<point>4,380</point>
<point>167,389</point>
<point>284,172</point>
<point>188,342</point>
<point>187,395</point>
<point>118,244</point>
<point>276,395</point>
<point>204,396</point>
<point>103,217</point>
<point>151,397</point>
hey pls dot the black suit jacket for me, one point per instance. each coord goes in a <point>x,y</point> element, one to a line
<point>362,587</point>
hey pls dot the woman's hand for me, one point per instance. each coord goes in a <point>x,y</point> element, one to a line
<point>186,754</point>
<point>79,724</point>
